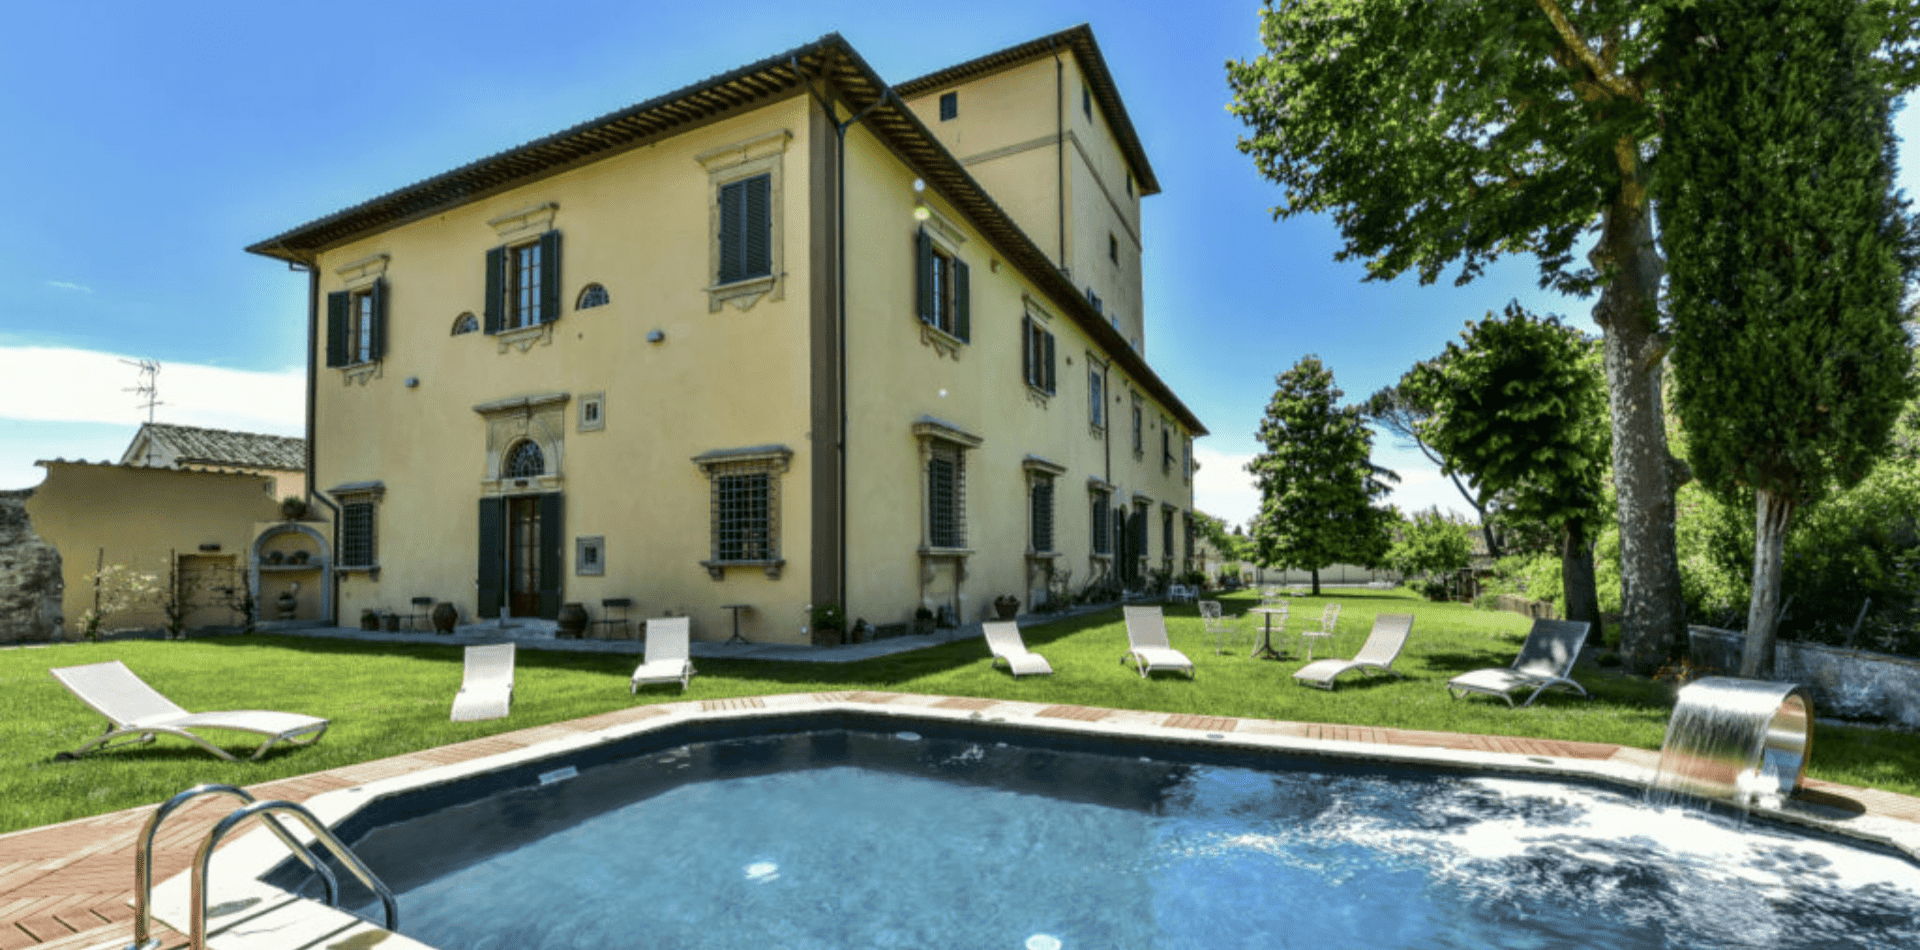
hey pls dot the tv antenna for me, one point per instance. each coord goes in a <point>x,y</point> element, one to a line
<point>149,388</point>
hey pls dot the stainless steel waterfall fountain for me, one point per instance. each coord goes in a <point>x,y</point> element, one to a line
<point>1736,740</point>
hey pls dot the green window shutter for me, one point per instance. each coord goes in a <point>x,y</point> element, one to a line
<point>1049,364</point>
<point>732,233</point>
<point>337,329</point>
<point>758,226</point>
<point>496,288</point>
<point>379,295</point>
<point>962,319</point>
<point>549,277</point>
<point>923,275</point>
<point>552,561</point>
<point>492,566</point>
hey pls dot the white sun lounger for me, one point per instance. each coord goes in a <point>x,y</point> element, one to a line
<point>136,713</point>
<point>1003,639</point>
<point>486,686</point>
<point>1376,655</point>
<point>1545,660</point>
<point>668,658</point>
<point>1147,644</point>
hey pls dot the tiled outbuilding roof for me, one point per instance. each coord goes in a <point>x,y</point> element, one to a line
<point>192,445</point>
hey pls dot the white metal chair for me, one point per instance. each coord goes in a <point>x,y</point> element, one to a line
<point>669,655</point>
<point>1225,635</point>
<point>137,714</point>
<point>486,684</point>
<point>1329,622</point>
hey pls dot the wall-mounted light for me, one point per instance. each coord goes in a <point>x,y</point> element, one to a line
<point>413,382</point>
<point>920,213</point>
<point>919,186</point>
<point>655,336</point>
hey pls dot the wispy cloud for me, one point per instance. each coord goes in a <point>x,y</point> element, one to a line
<point>48,384</point>
<point>69,285</point>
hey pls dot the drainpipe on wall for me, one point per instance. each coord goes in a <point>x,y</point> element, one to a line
<point>840,293</point>
<point>1060,153</point>
<point>314,494</point>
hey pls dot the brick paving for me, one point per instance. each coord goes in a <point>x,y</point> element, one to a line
<point>70,886</point>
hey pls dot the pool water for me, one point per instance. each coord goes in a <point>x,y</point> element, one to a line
<point>847,839</point>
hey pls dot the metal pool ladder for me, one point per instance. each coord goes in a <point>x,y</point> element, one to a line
<point>143,938</point>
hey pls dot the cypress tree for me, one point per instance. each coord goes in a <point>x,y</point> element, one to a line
<point>1787,255</point>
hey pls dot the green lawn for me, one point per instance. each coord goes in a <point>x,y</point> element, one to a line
<point>390,698</point>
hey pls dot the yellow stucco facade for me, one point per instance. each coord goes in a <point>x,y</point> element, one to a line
<point>148,520</point>
<point>689,416</point>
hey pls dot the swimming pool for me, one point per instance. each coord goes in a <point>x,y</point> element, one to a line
<point>878,834</point>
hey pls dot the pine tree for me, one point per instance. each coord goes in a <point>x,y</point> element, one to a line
<point>1317,480</point>
<point>1787,255</point>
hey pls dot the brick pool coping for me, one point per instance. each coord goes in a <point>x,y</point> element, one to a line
<point>70,886</point>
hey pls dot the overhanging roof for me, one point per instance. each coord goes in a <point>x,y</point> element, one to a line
<point>830,62</point>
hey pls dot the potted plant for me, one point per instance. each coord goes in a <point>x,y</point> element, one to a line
<point>923,621</point>
<point>829,622</point>
<point>1006,607</point>
<point>390,621</point>
<point>293,508</point>
<point>369,619</point>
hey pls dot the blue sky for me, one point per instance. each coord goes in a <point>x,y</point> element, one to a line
<point>149,143</point>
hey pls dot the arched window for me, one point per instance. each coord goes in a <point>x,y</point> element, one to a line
<point>593,295</point>
<point>465,323</point>
<point>525,460</point>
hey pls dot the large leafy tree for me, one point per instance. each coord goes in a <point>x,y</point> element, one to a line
<point>1788,256</point>
<point>1398,411</point>
<point>1317,480</point>
<point>1431,546</point>
<point>1453,132</point>
<point>1518,406</point>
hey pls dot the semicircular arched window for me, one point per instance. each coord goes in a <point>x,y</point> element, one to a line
<point>526,461</point>
<point>465,323</point>
<point>593,295</point>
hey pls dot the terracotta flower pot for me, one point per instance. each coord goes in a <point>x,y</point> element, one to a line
<point>573,620</point>
<point>445,617</point>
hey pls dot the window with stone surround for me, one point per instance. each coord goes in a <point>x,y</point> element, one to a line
<point>359,525</point>
<point>744,507</point>
<point>745,251</point>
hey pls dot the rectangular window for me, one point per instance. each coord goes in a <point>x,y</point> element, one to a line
<point>523,286</point>
<point>1040,506</point>
<point>1101,519</point>
<point>746,229</point>
<point>1094,299</point>
<point>1186,460</point>
<point>1113,248</point>
<point>357,536</point>
<point>946,497</point>
<point>1086,101</point>
<point>355,325</point>
<point>1096,398</point>
<point>1036,354</point>
<point>744,507</point>
<point>949,105</point>
<point>360,326</point>
<point>941,286</point>
<point>742,519</point>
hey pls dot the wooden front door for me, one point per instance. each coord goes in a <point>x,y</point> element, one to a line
<point>523,557</point>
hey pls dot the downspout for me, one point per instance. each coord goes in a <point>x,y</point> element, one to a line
<point>313,495</point>
<point>840,292</point>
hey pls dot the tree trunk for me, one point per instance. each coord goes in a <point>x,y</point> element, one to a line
<point>1316,582</point>
<point>1770,514</point>
<point>1577,588</point>
<point>1651,616</point>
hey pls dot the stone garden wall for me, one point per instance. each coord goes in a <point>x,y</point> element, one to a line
<point>30,584</point>
<point>1848,684</point>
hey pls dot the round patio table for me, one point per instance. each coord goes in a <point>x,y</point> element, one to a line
<point>1264,649</point>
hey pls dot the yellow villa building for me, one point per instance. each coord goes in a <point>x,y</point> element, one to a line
<point>786,337</point>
